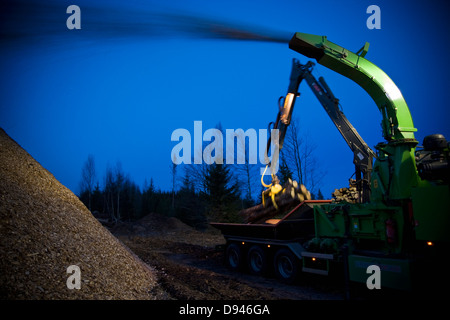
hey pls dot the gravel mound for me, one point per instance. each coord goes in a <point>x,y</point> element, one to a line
<point>44,229</point>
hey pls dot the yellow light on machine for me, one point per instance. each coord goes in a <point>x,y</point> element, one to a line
<point>243,242</point>
<point>313,259</point>
<point>429,243</point>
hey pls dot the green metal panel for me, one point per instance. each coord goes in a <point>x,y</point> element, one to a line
<point>366,221</point>
<point>328,224</point>
<point>395,273</point>
<point>398,171</point>
<point>431,210</point>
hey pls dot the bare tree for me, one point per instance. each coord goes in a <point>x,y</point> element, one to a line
<point>246,173</point>
<point>109,182</point>
<point>298,151</point>
<point>119,182</point>
<point>292,151</point>
<point>114,183</point>
<point>88,178</point>
<point>173,171</point>
<point>196,173</point>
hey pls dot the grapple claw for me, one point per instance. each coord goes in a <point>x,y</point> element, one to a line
<point>291,189</point>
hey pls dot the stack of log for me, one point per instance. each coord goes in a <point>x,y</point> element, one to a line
<point>291,195</point>
<point>350,194</point>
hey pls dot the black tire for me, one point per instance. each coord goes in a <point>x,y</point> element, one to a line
<point>286,265</point>
<point>233,256</point>
<point>257,261</point>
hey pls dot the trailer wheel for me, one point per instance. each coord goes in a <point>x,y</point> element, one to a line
<point>233,256</point>
<point>257,260</point>
<point>286,265</point>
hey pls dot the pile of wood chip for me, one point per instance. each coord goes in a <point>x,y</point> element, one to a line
<point>45,229</point>
<point>349,194</point>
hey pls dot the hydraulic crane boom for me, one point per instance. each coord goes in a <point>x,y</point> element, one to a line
<point>397,122</point>
<point>395,172</point>
<point>362,154</point>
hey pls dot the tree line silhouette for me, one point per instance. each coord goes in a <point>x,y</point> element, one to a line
<point>200,193</point>
<point>121,199</point>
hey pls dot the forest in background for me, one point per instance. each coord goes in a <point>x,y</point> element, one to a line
<point>200,193</point>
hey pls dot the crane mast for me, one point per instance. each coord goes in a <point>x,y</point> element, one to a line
<point>362,154</point>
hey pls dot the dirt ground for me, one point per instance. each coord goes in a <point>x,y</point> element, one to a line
<point>190,266</point>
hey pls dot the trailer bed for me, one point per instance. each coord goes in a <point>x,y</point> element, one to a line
<point>295,224</point>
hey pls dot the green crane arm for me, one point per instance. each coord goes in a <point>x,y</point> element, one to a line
<point>397,122</point>
<point>395,172</point>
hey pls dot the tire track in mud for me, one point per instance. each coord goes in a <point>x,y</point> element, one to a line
<point>194,272</point>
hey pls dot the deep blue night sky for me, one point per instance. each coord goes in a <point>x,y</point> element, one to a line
<point>133,74</point>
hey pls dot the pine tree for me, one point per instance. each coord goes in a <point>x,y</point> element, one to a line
<point>148,198</point>
<point>319,195</point>
<point>189,207</point>
<point>221,193</point>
